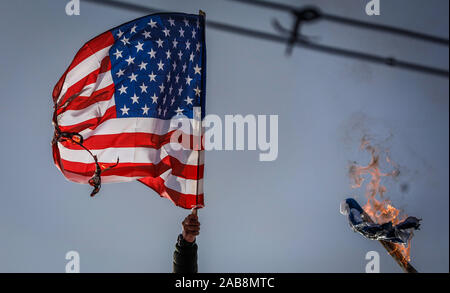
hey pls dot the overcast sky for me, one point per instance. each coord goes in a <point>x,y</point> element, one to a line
<point>280,216</point>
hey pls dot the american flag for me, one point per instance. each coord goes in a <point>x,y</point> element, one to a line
<point>118,97</point>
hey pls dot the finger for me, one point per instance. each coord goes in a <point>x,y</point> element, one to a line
<point>192,217</point>
<point>193,233</point>
<point>192,221</point>
<point>192,228</point>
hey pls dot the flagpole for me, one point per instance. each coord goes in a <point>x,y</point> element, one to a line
<point>198,129</point>
<point>196,145</point>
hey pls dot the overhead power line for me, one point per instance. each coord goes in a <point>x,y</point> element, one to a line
<point>348,21</point>
<point>293,37</point>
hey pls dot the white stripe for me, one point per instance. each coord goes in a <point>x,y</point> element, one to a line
<point>182,185</point>
<point>131,125</point>
<point>71,117</point>
<point>103,80</point>
<point>132,155</point>
<point>84,68</point>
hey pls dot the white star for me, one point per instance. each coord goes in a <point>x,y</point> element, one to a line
<point>160,65</point>
<point>186,22</point>
<point>124,110</point>
<point>159,111</point>
<point>145,109</point>
<point>198,23</point>
<point>164,99</point>
<point>125,41</point>
<point>165,111</point>
<point>152,53</point>
<point>135,99</point>
<point>188,45</point>
<point>166,32</point>
<point>194,33</point>
<point>139,47</point>
<point>168,54</point>
<point>174,65</point>
<point>180,54</point>
<point>197,91</point>
<point>188,100</point>
<point>172,101</point>
<point>120,73</point>
<point>119,34</point>
<point>152,23</point>
<point>197,69</point>
<point>191,57</point>
<point>160,43</point>
<point>130,60</point>
<point>198,47</point>
<point>143,88</point>
<point>154,98</point>
<point>152,77</point>
<point>123,89</point>
<point>162,87</point>
<point>184,67</point>
<point>168,77</point>
<point>179,111</point>
<point>177,78</point>
<point>181,32</point>
<point>170,90</point>
<point>188,80</point>
<point>175,43</point>
<point>146,34</point>
<point>118,54</point>
<point>180,90</point>
<point>132,77</point>
<point>133,29</point>
<point>143,65</point>
<point>171,21</point>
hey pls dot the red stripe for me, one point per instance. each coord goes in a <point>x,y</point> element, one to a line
<point>90,78</point>
<point>137,169</point>
<point>82,102</point>
<point>76,88</point>
<point>186,201</point>
<point>129,140</point>
<point>124,140</point>
<point>102,41</point>
<point>91,123</point>
<point>93,46</point>
<point>58,87</point>
<point>105,65</point>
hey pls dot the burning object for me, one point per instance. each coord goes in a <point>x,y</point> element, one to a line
<point>378,219</point>
<point>399,233</point>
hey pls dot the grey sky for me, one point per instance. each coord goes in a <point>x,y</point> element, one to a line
<point>280,216</point>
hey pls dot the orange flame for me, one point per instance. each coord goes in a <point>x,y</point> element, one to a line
<point>379,208</point>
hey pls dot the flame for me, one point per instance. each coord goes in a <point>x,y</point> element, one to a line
<point>378,207</point>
